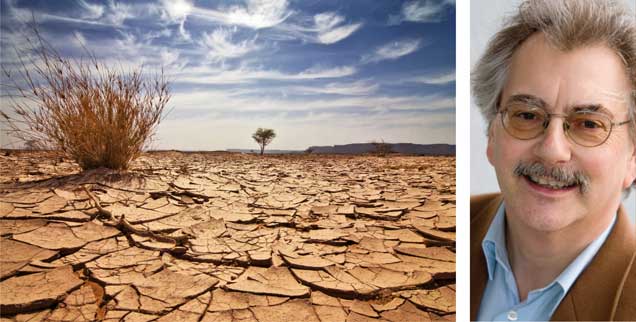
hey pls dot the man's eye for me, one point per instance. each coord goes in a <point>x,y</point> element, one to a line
<point>526,116</point>
<point>590,124</point>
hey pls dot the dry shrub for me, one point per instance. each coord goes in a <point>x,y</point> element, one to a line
<point>97,115</point>
<point>381,148</point>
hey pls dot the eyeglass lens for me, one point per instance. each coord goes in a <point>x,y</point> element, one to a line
<point>586,128</point>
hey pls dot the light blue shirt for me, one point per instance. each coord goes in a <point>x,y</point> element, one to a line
<point>500,301</point>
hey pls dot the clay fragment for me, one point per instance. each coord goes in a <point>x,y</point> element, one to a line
<point>37,291</point>
<point>15,255</point>
<point>273,281</point>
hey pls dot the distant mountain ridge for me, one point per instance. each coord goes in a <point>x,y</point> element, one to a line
<point>404,148</point>
<point>256,151</point>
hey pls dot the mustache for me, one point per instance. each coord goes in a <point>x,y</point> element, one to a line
<point>562,175</point>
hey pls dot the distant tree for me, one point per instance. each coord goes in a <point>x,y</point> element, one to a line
<point>263,137</point>
<point>381,148</point>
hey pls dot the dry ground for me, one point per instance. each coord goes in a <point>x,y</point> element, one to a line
<point>228,237</point>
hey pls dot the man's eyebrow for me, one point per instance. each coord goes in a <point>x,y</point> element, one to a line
<point>528,100</point>
<point>591,108</point>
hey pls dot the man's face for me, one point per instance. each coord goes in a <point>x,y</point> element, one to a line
<point>563,81</point>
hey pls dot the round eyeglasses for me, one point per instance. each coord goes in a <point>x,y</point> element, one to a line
<point>583,127</point>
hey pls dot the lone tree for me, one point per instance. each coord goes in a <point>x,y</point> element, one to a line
<point>263,137</point>
<point>97,115</point>
<point>381,148</point>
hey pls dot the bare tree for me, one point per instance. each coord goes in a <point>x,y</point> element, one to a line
<point>381,148</point>
<point>97,115</point>
<point>263,137</point>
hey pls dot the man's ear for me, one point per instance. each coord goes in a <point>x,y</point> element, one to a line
<point>491,143</point>
<point>630,177</point>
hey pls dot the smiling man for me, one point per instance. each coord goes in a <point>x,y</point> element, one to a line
<point>558,87</point>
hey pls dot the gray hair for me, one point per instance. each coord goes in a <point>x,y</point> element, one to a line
<point>566,24</point>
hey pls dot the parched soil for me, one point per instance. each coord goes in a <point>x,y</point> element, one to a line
<point>228,237</point>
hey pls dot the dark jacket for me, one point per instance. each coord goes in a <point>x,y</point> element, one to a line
<point>605,290</point>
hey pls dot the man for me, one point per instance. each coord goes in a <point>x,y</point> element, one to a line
<point>558,87</point>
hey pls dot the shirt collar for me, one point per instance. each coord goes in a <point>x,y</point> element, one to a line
<point>494,247</point>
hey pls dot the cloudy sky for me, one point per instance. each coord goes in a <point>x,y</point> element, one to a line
<point>318,72</point>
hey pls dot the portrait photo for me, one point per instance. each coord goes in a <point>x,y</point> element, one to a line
<point>553,160</point>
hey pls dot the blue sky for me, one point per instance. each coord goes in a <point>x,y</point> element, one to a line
<point>318,72</point>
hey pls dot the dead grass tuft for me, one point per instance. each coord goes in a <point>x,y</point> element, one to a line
<point>97,115</point>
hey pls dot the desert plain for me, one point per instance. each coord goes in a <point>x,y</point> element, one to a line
<point>228,237</point>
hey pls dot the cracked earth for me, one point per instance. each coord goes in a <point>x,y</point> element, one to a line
<point>228,237</point>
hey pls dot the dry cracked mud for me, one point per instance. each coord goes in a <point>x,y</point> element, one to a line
<point>228,237</point>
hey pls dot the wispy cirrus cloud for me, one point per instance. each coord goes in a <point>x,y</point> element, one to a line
<point>258,14</point>
<point>92,11</point>
<point>255,14</point>
<point>392,50</point>
<point>421,11</point>
<point>116,13</point>
<point>176,12</point>
<point>110,14</point>
<point>330,27</point>
<point>360,87</point>
<point>220,45</point>
<point>219,75</point>
<point>240,101</point>
<point>435,80</point>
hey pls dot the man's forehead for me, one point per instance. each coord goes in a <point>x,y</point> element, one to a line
<point>537,102</point>
<point>592,75</point>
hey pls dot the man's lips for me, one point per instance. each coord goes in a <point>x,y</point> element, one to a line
<point>550,187</point>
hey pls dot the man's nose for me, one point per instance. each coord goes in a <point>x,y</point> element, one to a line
<point>554,146</point>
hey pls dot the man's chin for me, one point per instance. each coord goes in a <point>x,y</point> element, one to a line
<point>544,217</point>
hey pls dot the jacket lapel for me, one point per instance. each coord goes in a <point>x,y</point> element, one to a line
<point>482,212</point>
<point>592,296</point>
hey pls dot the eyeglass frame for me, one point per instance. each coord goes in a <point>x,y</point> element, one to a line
<point>566,125</point>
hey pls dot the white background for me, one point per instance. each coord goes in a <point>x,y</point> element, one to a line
<point>486,17</point>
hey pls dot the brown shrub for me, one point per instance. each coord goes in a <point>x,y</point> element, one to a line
<point>97,115</point>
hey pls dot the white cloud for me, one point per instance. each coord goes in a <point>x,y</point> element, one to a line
<point>171,59</point>
<point>256,14</point>
<point>92,11</point>
<point>436,80</point>
<point>235,101</point>
<point>259,13</point>
<point>117,13</point>
<point>349,88</point>
<point>393,50</point>
<point>176,10</point>
<point>321,72</point>
<point>337,34</point>
<point>220,46</point>
<point>114,14</point>
<point>330,29</point>
<point>213,75</point>
<point>327,20</point>
<point>421,11</point>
